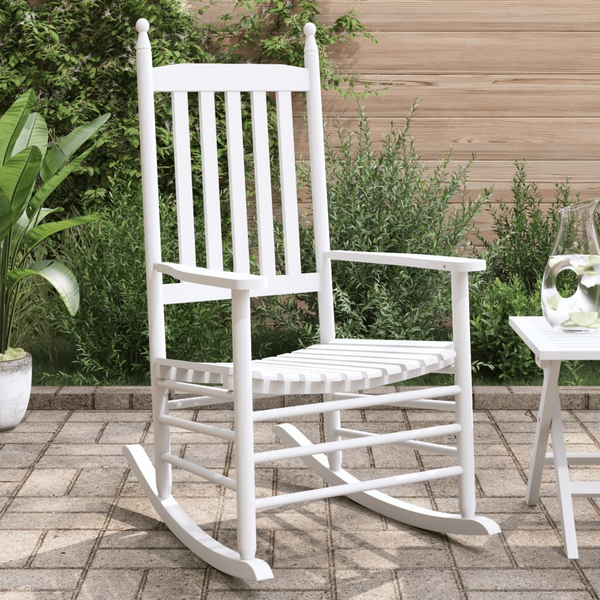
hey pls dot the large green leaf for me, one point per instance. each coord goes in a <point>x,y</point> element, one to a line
<point>57,275</point>
<point>34,133</point>
<point>17,178</point>
<point>47,188</point>
<point>68,145</point>
<point>41,232</point>
<point>12,122</point>
<point>5,215</point>
<point>25,223</point>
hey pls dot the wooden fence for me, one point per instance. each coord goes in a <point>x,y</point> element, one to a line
<point>504,79</point>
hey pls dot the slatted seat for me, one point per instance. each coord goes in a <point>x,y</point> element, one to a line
<point>335,368</point>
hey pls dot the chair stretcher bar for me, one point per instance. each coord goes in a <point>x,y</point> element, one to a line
<point>349,444</point>
<point>195,402</point>
<point>191,467</point>
<point>416,445</point>
<point>353,403</point>
<point>360,486</point>
<point>180,386</point>
<point>219,432</point>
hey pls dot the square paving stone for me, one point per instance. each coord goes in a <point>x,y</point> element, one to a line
<point>65,549</point>
<point>107,584</point>
<point>42,580</point>
<point>164,584</point>
<point>425,584</point>
<point>16,548</point>
<point>367,585</point>
<point>48,482</point>
<point>98,482</point>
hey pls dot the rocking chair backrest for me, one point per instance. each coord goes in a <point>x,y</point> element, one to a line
<point>200,82</point>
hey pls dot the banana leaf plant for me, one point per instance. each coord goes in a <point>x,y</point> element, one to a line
<point>29,173</point>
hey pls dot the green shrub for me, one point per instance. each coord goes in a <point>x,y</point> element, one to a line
<point>495,346</point>
<point>79,57</point>
<point>524,233</point>
<point>383,199</point>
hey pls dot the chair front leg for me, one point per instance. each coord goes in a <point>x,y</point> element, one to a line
<point>461,335</point>
<point>332,422</point>
<point>244,426</point>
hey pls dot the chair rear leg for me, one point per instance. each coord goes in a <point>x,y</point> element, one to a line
<point>244,425</point>
<point>162,442</point>
<point>332,423</point>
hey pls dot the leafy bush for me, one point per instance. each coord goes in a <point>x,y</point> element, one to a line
<point>79,57</point>
<point>382,199</point>
<point>495,346</point>
<point>524,232</point>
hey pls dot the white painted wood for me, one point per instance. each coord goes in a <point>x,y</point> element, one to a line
<point>348,489</point>
<point>207,474</point>
<point>336,368</point>
<point>218,432</point>
<point>455,264</point>
<point>230,78</point>
<point>386,505</point>
<point>210,181</point>
<point>464,400</point>
<point>565,501</point>
<point>156,322</point>
<point>318,177</point>
<point>196,402</point>
<point>226,279</point>
<point>289,193</point>
<point>242,412</point>
<point>179,293</point>
<point>362,442</point>
<point>183,179</point>
<point>262,176</point>
<point>549,344</point>
<point>576,458</point>
<point>440,449</point>
<point>548,401</point>
<point>237,182</point>
<point>585,489</point>
<point>198,541</point>
<point>193,388</point>
<point>287,412</point>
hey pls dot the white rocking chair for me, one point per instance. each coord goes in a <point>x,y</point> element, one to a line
<point>336,368</point>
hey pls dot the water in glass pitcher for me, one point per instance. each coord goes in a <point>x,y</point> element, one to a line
<point>579,312</point>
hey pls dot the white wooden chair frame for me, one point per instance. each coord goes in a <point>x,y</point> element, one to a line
<point>335,368</point>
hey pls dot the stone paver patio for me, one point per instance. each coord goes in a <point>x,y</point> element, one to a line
<point>75,524</point>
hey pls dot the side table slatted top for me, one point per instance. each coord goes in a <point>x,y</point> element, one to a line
<point>549,344</point>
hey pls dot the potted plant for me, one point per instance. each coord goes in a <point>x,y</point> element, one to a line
<point>29,173</point>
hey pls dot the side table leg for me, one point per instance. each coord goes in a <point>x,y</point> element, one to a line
<point>548,401</point>
<point>565,499</point>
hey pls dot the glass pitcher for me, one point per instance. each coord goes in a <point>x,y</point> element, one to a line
<point>576,248</point>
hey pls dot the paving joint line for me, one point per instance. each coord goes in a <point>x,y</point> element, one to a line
<point>36,549</point>
<point>142,586</point>
<point>32,466</point>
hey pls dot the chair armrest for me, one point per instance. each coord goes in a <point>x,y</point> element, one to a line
<point>456,264</point>
<point>221,279</point>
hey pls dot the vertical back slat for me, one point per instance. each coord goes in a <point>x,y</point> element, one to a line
<point>237,181</point>
<point>262,175</point>
<point>210,181</point>
<point>289,194</point>
<point>183,179</point>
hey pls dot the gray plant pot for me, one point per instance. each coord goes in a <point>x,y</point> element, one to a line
<point>15,389</point>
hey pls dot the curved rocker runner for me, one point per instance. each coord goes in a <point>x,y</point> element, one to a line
<point>336,368</point>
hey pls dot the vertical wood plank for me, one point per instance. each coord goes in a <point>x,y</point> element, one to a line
<point>289,194</point>
<point>210,181</point>
<point>183,179</point>
<point>262,175</point>
<point>237,182</point>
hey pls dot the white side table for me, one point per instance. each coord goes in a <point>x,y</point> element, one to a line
<point>551,347</point>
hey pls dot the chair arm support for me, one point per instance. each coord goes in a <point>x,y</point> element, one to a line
<point>455,264</point>
<point>221,279</point>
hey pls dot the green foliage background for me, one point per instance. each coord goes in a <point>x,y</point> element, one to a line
<point>79,58</point>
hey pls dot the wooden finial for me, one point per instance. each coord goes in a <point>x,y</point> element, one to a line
<point>143,41</point>
<point>310,44</point>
